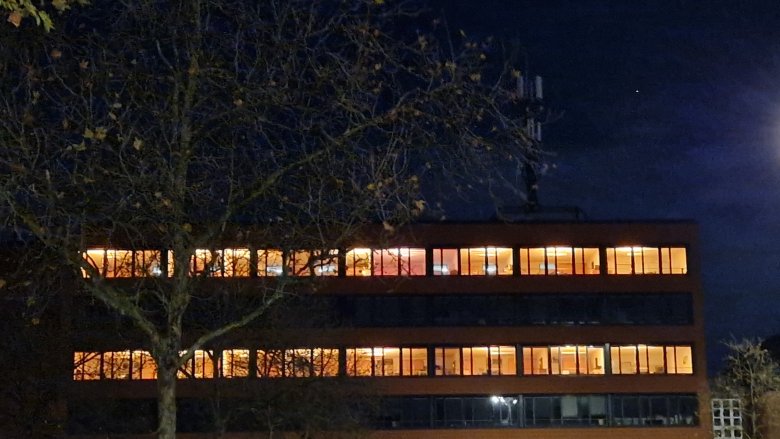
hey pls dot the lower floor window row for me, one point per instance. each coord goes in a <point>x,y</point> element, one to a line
<point>491,360</point>
<point>534,411</point>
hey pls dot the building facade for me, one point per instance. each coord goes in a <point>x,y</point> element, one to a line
<point>490,330</point>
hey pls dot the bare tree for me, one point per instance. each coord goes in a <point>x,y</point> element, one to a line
<point>201,124</point>
<point>750,374</point>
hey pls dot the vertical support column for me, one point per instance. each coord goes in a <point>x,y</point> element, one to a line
<point>429,261</point>
<point>603,264</point>
<point>342,262</point>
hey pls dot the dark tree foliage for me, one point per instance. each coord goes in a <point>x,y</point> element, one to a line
<point>200,124</point>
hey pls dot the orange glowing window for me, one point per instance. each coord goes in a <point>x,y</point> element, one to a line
<point>113,263</point>
<point>577,360</point>
<point>201,365</point>
<point>360,362</point>
<point>235,363</point>
<point>476,360</point>
<point>116,365</point>
<point>229,262</point>
<point>326,362</point>
<point>679,360</point>
<point>474,261</point>
<point>143,366</point>
<point>270,262</point>
<point>559,260</point>
<point>358,262</point>
<point>414,361</point>
<point>646,260</point>
<point>648,359</point>
<point>270,363</point>
<point>317,263</point>
<point>387,361</point>
<point>86,366</point>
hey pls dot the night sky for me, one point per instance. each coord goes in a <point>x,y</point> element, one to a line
<point>670,110</point>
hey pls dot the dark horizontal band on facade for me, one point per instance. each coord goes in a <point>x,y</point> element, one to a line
<point>465,310</point>
<point>497,411</point>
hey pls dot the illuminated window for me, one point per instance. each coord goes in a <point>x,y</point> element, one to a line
<point>112,263</point>
<point>269,363</point>
<point>533,261</point>
<point>204,262</point>
<point>298,263</point>
<point>646,260</point>
<point>318,263</point>
<point>171,263</point>
<point>536,361</point>
<point>269,263</point>
<point>563,360</point>
<point>624,360</point>
<point>360,362</point>
<point>503,360</point>
<point>235,363</point>
<point>387,361</point>
<point>577,360</point>
<point>645,359</point>
<point>378,361</point>
<point>559,260</point>
<point>201,365</point>
<point>674,260</point>
<point>401,261</point>
<point>415,361</point>
<point>235,262</point>
<point>143,366</point>
<point>358,262</point>
<point>679,360</point>
<point>116,365</point>
<point>229,262</point>
<point>448,361</point>
<point>297,363</point>
<point>326,362</point>
<point>445,262</point>
<point>651,359</point>
<point>308,362</point>
<point>477,261</point>
<point>590,360</point>
<point>86,366</point>
<point>476,360</point>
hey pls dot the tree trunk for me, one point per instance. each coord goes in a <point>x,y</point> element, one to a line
<point>166,400</point>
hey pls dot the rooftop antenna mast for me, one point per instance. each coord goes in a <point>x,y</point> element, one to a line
<point>531,90</point>
<point>531,94</point>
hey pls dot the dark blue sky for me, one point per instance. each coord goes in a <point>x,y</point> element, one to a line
<point>699,140</point>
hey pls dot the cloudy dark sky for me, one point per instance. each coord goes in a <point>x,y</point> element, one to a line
<point>670,110</point>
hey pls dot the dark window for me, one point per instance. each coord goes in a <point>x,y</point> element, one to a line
<point>514,310</point>
<point>539,411</point>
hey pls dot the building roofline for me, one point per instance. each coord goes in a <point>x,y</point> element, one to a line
<point>542,221</point>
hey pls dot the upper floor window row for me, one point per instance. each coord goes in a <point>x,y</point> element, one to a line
<point>229,363</point>
<point>398,361</point>
<point>396,261</point>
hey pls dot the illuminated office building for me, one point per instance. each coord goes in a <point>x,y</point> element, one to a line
<point>490,330</point>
